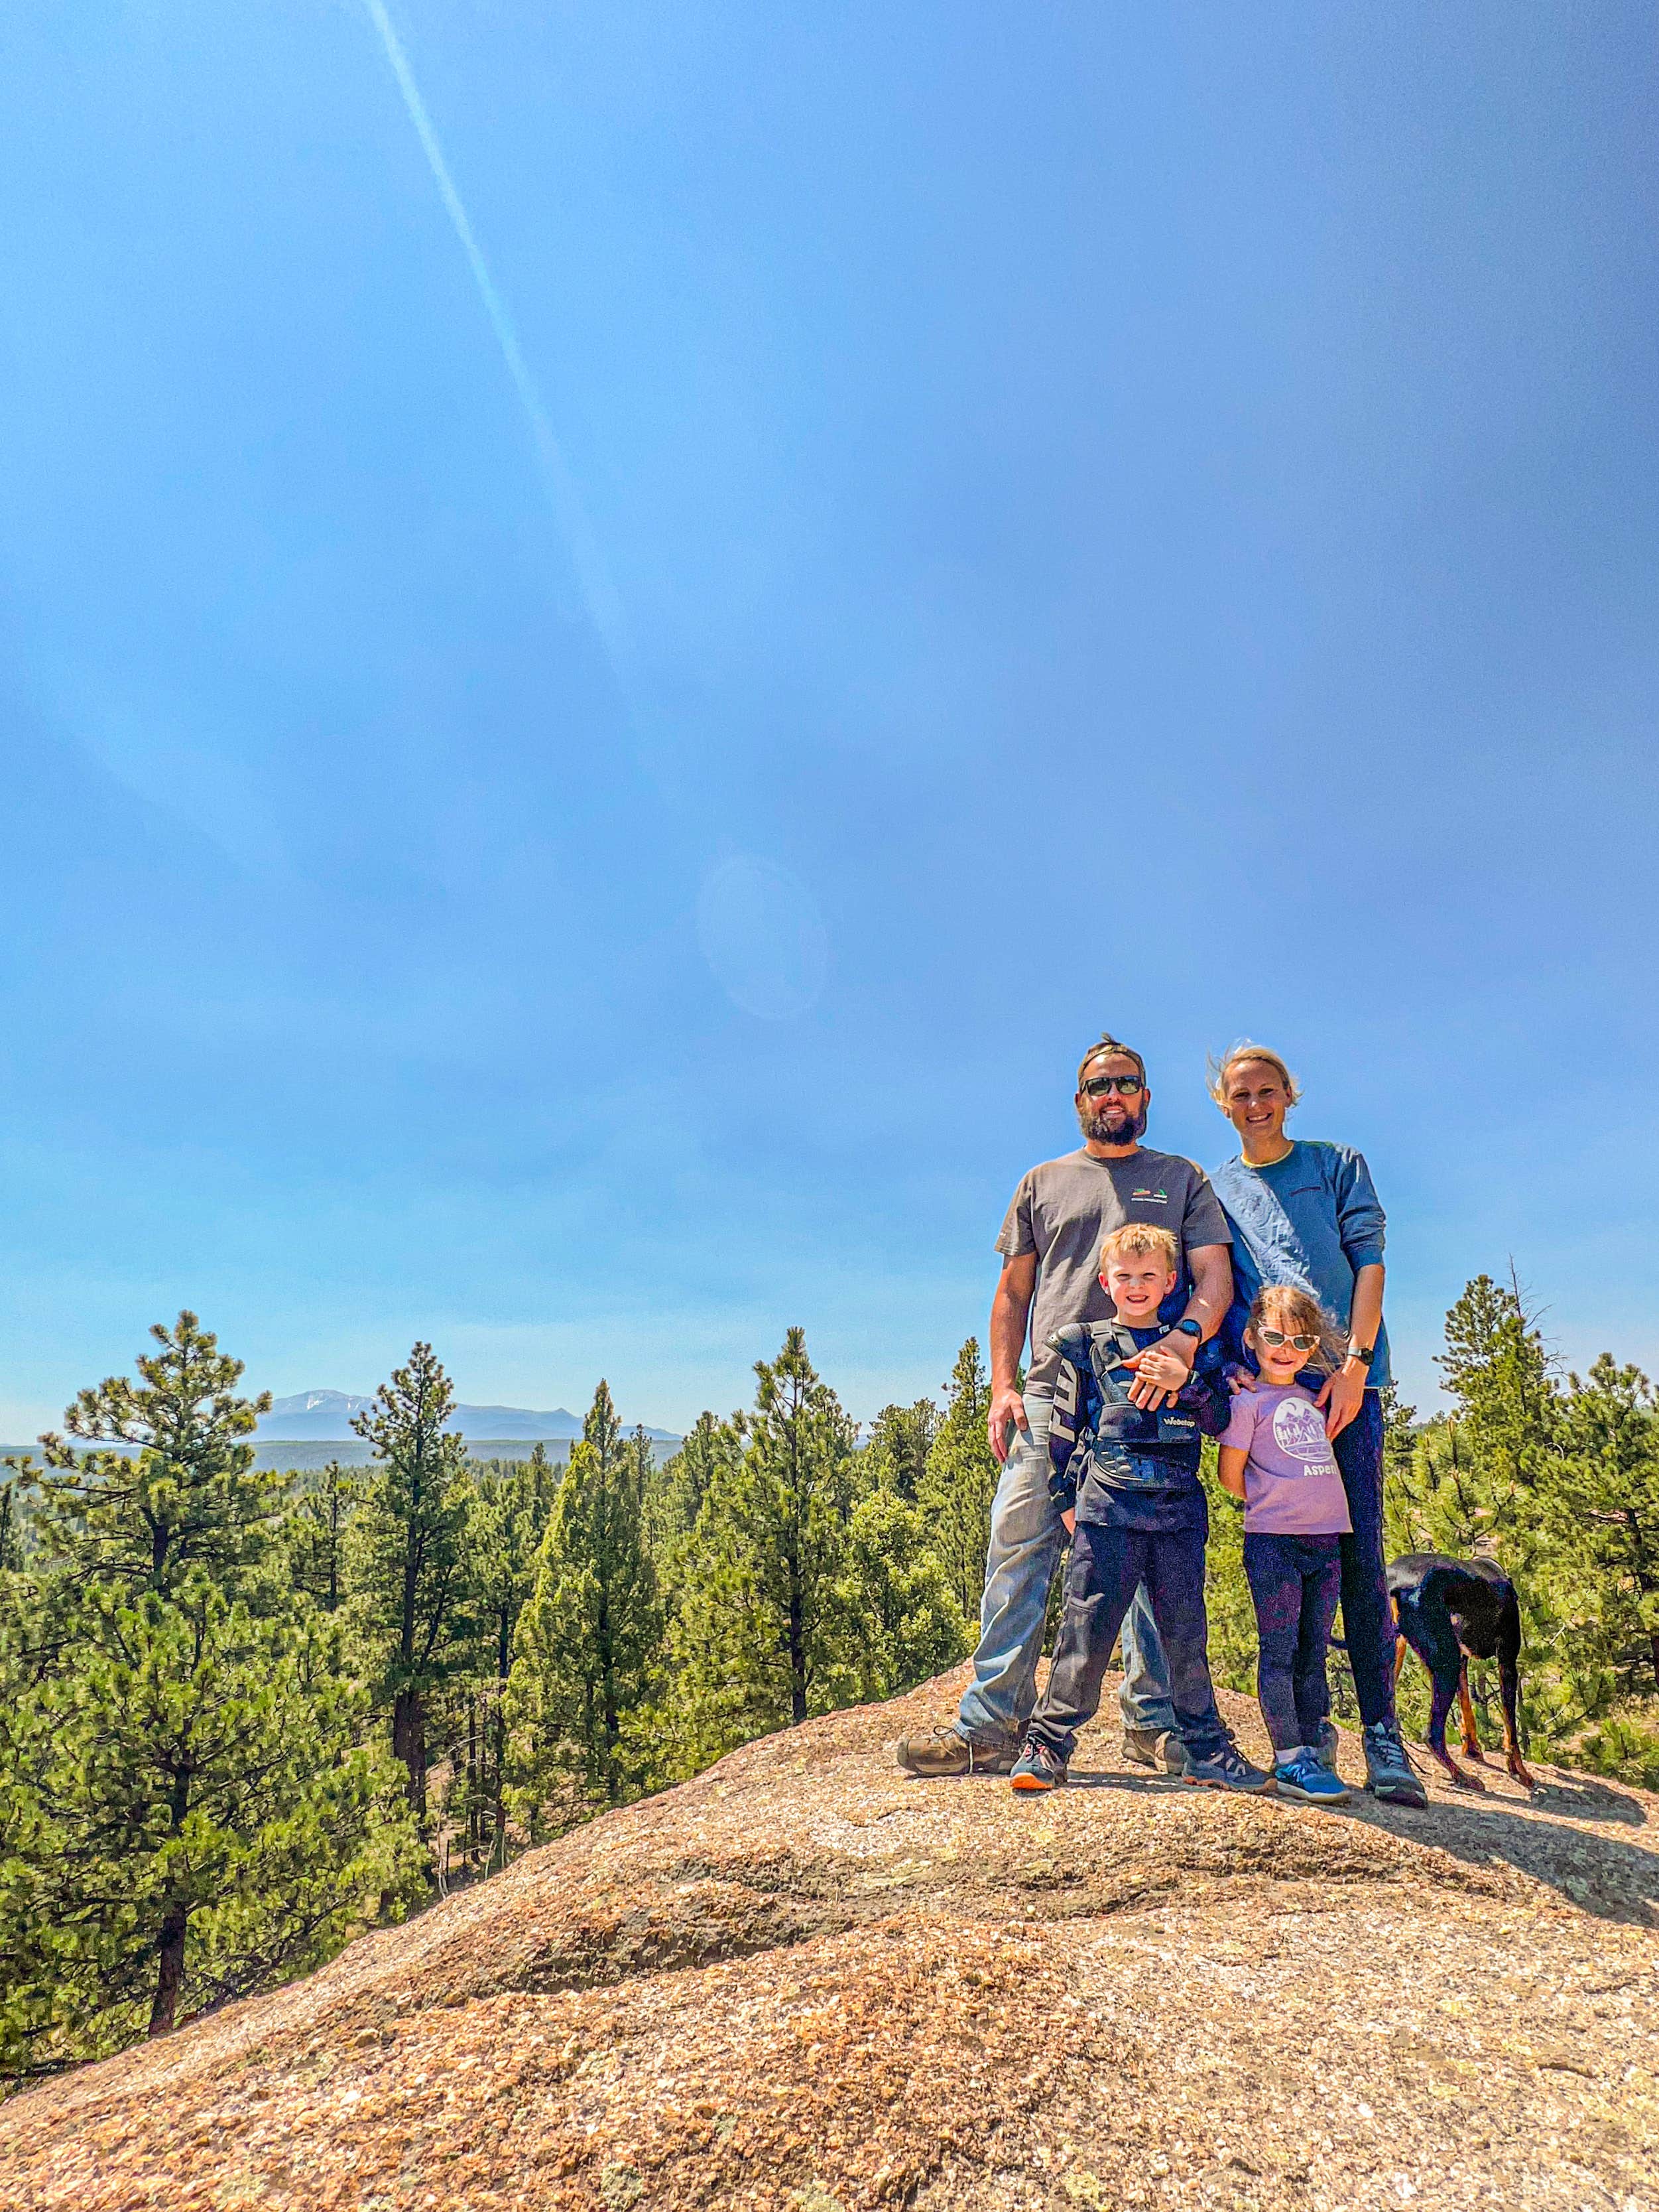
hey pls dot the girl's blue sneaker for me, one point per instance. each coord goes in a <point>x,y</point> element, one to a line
<point>1303,1774</point>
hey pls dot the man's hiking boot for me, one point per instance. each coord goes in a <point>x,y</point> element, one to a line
<point>1388,1773</point>
<point>947,1751</point>
<point>1302,1774</point>
<point>1037,1767</point>
<point>1161,1749</point>
<point>1226,1768</point>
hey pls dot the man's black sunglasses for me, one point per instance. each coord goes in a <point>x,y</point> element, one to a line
<point>1124,1085</point>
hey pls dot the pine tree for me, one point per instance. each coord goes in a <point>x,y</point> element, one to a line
<point>588,1642</point>
<point>317,1535</point>
<point>905,1621</point>
<point>408,1581</point>
<point>900,1439</point>
<point>509,1519</point>
<point>183,1494</point>
<point>959,1482</point>
<point>761,1636</point>
<point>1600,1516</point>
<point>676,1491</point>
<point>188,1806</point>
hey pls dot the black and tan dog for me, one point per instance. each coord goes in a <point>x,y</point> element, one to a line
<point>1448,1612</point>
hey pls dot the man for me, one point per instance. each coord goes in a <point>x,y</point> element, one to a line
<point>1306,1212</point>
<point>1050,1243</point>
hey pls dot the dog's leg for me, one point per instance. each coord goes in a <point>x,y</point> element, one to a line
<point>1445,1690</point>
<point>1471,1742</point>
<point>1509,1688</point>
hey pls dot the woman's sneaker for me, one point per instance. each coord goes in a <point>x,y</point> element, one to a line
<point>1226,1768</point>
<point>1037,1767</point>
<point>1302,1774</point>
<point>1388,1774</point>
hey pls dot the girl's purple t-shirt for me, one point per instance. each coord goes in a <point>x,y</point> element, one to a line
<point>1292,1486</point>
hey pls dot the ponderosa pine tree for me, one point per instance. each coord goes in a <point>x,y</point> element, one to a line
<point>588,1642</point>
<point>1600,1517</point>
<point>676,1490</point>
<point>903,1620</point>
<point>760,1635</point>
<point>409,1586</point>
<point>317,1535</point>
<point>959,1482</point>
<point>896,1452</point>
<point>188,1804</point>
<point>509,1517</point>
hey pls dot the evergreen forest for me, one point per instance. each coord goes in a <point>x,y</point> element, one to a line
<point>244,1716</point>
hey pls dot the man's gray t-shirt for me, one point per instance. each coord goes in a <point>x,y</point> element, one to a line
<point>1064,1209</point>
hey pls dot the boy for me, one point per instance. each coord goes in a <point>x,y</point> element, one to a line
<point>1127,1482</point>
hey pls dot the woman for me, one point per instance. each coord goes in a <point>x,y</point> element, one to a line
<point>1305,1213</point>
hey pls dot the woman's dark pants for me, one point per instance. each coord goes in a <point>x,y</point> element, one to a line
<point>1367,1623</point>
<point>1106,1564</point>
<point>1295,1582</point>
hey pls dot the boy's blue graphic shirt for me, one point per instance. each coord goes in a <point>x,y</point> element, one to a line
<point>1118,1464</point>
<point>1313,1219</point>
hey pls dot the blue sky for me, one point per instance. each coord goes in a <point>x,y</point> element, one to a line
<point>1006,520</point>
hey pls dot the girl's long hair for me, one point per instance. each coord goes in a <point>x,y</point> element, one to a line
<point>1283,1306</point>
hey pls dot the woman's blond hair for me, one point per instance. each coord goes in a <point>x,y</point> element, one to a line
<point>1246,1049</point>
<point>1283,1305</point>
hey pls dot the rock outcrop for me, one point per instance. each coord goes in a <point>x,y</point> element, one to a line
<point>804,1980</point>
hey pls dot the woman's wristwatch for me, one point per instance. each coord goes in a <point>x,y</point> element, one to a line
<point>1365,1354</point>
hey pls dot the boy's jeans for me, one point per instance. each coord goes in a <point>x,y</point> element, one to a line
<point>1107,1567</point>
<point>1367,1626</point>
<point>1026,1534</point>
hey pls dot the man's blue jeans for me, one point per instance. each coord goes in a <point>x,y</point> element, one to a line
<point>1026,1534</point>
<point>1367,1624</point>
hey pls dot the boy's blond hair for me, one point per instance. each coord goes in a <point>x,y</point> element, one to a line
<point>1141,1236</point>
<point>1283,1305</point>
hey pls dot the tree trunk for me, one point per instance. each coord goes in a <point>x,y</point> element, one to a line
<point>409,1743</point>
<point>170,1972</point>
<point>797,1653</point>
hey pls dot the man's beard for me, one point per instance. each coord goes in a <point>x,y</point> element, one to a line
<point>1097,1130</point>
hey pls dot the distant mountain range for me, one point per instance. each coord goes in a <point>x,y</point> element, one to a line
<point>325,1417</point>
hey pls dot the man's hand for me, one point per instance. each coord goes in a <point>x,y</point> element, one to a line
<point>1343,1395</point>
<point>1070,1518</point>
<point>1006,1405</point>
<point>1162,1371</point>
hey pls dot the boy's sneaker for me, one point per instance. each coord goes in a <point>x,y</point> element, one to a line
<point>1037,1767</point>
<point>1302,1774</point>
<point>1156,1748</point>
<point>1388,1773</point>
<point>948,1750</point>
<point>1226,1768</point>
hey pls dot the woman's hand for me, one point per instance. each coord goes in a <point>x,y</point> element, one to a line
<point>1343,1395</point>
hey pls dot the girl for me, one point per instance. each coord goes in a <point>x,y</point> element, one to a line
<point>1276,1456</point>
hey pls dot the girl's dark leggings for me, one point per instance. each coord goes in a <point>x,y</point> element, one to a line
<point>1295,1582</point>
